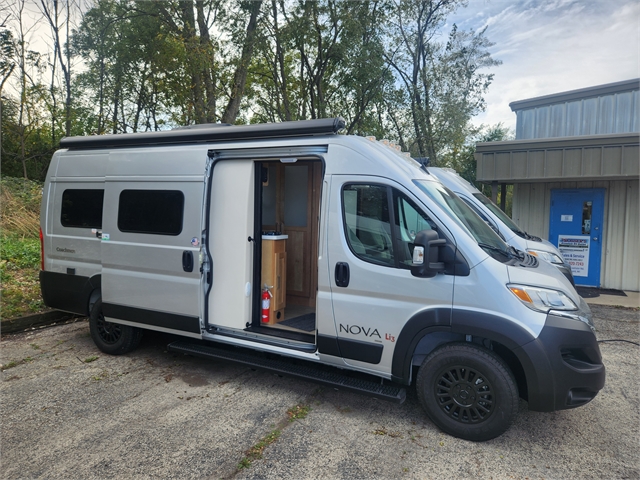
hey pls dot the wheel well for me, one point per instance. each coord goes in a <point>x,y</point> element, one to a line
<point>431,341</point>
<point>96,294</point>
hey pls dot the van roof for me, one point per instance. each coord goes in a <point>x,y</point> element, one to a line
<point>208,133</point>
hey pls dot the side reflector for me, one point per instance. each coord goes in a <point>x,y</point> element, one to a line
<point>41,251</point>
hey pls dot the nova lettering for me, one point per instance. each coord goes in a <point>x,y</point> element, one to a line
<point>357,330</point>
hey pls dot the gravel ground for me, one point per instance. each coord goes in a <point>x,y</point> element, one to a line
<point>68,411</point>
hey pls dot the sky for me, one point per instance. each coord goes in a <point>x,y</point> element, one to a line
<point>552,46</point>
<point>545,46</point>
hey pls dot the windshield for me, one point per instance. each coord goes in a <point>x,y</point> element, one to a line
<point>493,208</point>
<point>464,216</point>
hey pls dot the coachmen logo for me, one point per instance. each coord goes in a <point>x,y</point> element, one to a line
<point>357,330</point>
<point>65,250</point>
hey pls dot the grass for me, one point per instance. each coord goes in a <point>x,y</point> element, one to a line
<point>255,452</point>
<point>298,412</point>
<point>20,247</point>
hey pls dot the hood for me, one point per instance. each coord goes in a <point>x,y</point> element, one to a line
<point>544,275</point>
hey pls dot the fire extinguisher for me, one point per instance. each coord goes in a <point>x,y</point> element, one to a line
<point>266,301</point>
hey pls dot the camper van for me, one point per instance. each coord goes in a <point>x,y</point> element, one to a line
<point>326,257</point>
<point>500,221</point>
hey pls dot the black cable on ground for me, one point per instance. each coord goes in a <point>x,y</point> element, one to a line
<point>619,340</point>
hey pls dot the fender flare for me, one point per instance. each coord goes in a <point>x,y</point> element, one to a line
<point>457,321</point>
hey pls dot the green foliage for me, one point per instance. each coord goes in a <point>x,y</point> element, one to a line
<point>256,451</point>
<point>392,69</point>
<point>20,247</point>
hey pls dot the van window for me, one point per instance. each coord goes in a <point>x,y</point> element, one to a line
<point>82,208</point>
<point>157,212</point>
<point>367,225</point>
<point>381,224</point>
<point>409,221</point>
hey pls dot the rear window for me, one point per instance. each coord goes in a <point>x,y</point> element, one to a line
<point>82,208</point>
<point>157,212</point>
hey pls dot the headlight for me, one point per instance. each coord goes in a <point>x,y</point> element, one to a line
<point>547,256</point>
<point>542,299</point>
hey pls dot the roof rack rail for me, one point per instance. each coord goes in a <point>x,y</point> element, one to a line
<point>208,133</point>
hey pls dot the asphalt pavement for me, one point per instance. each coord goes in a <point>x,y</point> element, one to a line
<point>70,412</point>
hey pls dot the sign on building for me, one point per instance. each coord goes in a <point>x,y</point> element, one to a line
<point>575,250</point>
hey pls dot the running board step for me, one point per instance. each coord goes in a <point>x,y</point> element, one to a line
<point>329,376</point>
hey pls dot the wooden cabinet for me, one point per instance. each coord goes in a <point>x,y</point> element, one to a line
<point>274,274</point>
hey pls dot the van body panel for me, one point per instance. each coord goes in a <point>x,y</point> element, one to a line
<point>486,286</point>
<point>144,270</point>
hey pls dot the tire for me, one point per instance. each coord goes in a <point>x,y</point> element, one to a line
<point>468,392</point>
<point>112,338</point>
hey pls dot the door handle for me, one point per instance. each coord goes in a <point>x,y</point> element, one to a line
<point>187,261</point>
<point>342,274</point>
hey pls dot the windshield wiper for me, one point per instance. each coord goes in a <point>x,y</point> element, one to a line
<point>495,249</point>
<point>515,253</point>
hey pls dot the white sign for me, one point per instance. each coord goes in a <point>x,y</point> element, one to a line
<point>566,218</point>
<point>575,250</point>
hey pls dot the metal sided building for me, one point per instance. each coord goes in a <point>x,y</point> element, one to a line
<point>574,167</point>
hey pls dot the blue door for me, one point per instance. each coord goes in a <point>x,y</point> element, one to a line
<point>576,229</point>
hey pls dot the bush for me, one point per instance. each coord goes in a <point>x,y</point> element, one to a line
<point>20,247</point>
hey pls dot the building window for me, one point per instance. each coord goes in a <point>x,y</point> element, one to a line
<point>157,212</point>
<point>82,208</point>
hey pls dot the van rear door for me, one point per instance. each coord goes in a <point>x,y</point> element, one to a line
<point>151,238</point>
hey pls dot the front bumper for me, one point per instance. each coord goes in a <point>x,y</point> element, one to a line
<point>563,365</point>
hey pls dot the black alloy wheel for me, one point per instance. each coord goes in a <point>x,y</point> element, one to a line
<point>464,394</point>
<point>109,332</point>
<point>112,338</point>
<point>467,391</point>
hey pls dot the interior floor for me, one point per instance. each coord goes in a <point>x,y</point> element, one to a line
<point>292,312</point>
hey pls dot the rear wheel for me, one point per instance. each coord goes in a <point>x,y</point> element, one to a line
<point>468,392</point>
<point>112,338</point>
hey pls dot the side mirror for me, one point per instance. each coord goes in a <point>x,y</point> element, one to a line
<point>425,254</point>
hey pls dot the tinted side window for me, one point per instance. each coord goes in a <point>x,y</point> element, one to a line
<point>82,208</point>
<point>367,224</point>
<point>158,212</point>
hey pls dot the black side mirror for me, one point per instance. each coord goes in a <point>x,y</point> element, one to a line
<point>426,262</point>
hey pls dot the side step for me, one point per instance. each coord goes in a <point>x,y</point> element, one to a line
<point>329,376</point>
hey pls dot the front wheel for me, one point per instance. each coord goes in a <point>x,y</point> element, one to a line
<point>468,392</point>
<point>112,338</point>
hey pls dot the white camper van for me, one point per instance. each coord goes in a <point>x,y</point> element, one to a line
<point>320,250</point>
<point>500,221</point>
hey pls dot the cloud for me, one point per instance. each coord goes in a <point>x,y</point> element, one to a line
<point>551,46</point>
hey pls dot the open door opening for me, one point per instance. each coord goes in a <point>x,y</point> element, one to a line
<point>287,220</point>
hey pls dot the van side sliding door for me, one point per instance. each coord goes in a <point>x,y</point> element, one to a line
<point>151,239</point>
<point>230,244</point>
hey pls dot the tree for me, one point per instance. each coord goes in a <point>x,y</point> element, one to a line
<point>443,80</point>
<point>321,58</point>
<point>58,15</point>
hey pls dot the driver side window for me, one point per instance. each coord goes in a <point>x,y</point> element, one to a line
<point>380,224</point>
